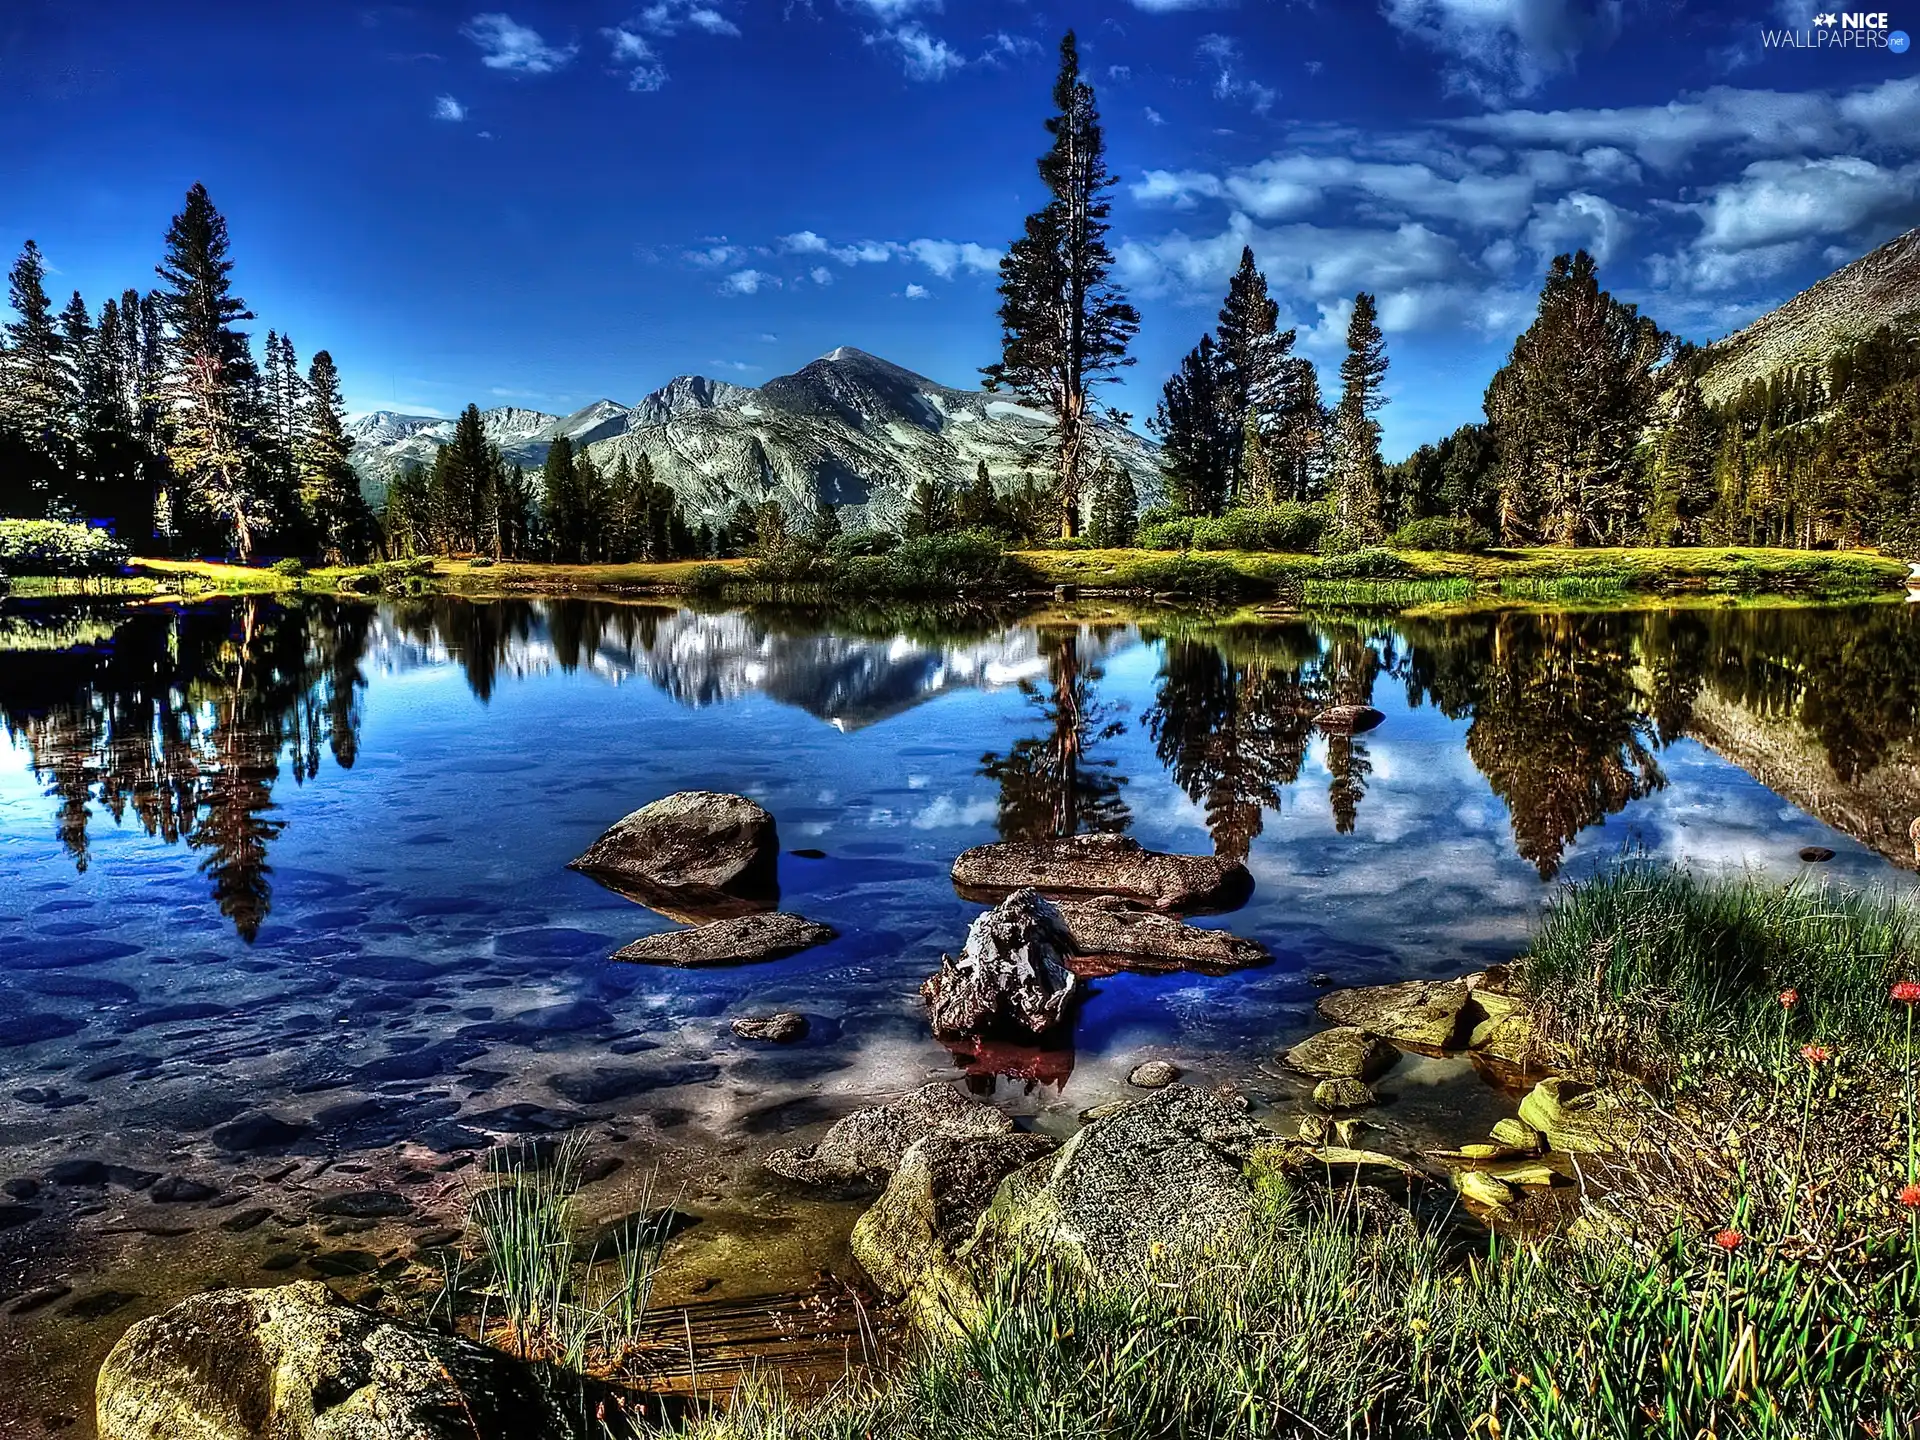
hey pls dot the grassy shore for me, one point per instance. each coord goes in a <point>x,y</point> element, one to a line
<point>1379,579</point>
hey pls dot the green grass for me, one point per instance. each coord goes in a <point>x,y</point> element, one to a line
<point>1646,965</point>
<point>1383,594</point>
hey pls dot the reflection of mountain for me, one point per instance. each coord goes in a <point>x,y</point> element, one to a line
<point>846,678</point>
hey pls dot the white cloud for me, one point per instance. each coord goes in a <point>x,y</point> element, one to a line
<point>506,44</point>
<point>645,73</point>
<point>1168,7</point>
<point>820,275</point>
<point>1004,48</point>
<point>894,10</point>
<point>923,55</point>
<point>717,253</point>
<point>1299,183</point>
<point>1179,189</point>
<point>1502,48</point>
<point>1779,201</point>
<point>916,292</point>
<point>1229,83</point>
<point>944,257</point>
<point>1579,221</point>
<point>670,17</point>
<point>747,282</point>
<point>1154,117</point>
<point>445,107</point>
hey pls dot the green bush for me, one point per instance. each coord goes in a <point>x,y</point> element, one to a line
<point>970,560</point>
<point>1442,532</point>
<point>1171,532</point>
<point>1372,563</point>
<point>293,567</point>
<point>853,544</point>
<point>56,547</point>
<point>1286,526</point>
<point>708,579</point>
<point>480,562</point>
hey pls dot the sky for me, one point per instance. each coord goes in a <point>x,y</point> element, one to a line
<point>545,204</point>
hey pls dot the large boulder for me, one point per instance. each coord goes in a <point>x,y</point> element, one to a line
<point>908,1242</point>
<point>299,1363</point>
<point>1109,935</point>
<point>1578,1118</point>
<point>1162,1177</point>
<point>742,940</point>
<point>695,856</point>
<point>1429,1013</point>
<point>1010,978</point>
<point>869,1143</point>
<point>1084,865</point>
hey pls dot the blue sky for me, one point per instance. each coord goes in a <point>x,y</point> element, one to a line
<point>543,204</point>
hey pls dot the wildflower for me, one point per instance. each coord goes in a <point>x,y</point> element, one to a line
<point>1729,1240</point>
<point>1789,998</point>
<point>1907,992</point>
<point>1815,1054</point>
<point>1909,1196</point>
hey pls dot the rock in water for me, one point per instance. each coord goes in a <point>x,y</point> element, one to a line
<point>1109,935</point>
<point>1082,865</point>
<point>1342,1053</point>
<point>299,1363</point>
<point>739,941</point>
<point>1342,1095</point>
<point>1348,719</point>
<point>869,1143</point>
<point>1419,1012</point>
<point>1581,1119</point>
<point>908,1242</point>
<point>697,855</point>
<point>1164,1176</point>
<point>1010,979</point>
<point>783,1028</point>
<point>1153,1075</point>
<point>1815,854</point>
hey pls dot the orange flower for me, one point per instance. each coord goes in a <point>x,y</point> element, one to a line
<point>1907,992</point>
<point>1789,998</point>
<point>1729,1240</point>
<point>1815,1054</point>
<point>1909,1196</point>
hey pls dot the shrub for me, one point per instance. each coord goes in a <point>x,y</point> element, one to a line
<point>853,544</point>
<point>1442,532</point>
<point>708,579</point>
<point>57,547</point>
<point>970,560</point>
<point>292,567</point>
<point>1173,532</point>
<point>1286,526</point>
<point>480,562</point>
<point>1372,563</point>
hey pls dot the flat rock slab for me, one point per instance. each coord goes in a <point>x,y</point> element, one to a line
<point>696,855</point>
<point>1109,935</point>
<point>741,940</point>
<point>1342,1053</point>
<point>1348,719</point>
<point>869,1143</point>
<point>1103,865</point>
<point>784,1028</point>
<point>1432,1013</point>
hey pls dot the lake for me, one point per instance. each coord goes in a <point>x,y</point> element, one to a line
<point>286,915</point>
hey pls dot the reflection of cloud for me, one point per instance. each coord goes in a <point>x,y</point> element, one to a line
<point>947,813</point>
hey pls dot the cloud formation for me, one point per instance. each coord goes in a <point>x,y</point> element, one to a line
<point>1498,49</point>
<point>505,44</point>
<point>1230,82</point>
<point>445,107</point>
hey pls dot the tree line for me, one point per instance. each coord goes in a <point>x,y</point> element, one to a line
<point>152,415</point>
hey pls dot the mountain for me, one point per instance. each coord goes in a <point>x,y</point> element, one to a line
<point>1882,288</point>
<point>849,429</point>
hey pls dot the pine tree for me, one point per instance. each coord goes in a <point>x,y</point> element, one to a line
<point>1683,474</point>
<point>1254,358</point>
<point>825,527</point>
<point>210,376</point>
<point>329,489</point>
<point>407,519</point>
<point>33,379</point>
<point>930,509</point>
<point>1116,506</point>
<point>1357,479</point>
<point>591,486</point>
<point>977,508</point>
<point>513,514</point>
<point>1299,453</point>
<point>561,509</point>
<point>1199,435</point>
<point>1065,325</point>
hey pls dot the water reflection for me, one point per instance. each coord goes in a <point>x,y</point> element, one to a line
<point>186,718</point>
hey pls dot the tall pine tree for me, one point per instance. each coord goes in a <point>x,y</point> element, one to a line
<point>1358,471</point>
<point>1254,356</point>
<point>33,379</point>
<point>329,489</point>
<point>1065,325</point>
<point>1199,434</point>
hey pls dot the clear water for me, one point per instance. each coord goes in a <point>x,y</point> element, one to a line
<point>307,862</point>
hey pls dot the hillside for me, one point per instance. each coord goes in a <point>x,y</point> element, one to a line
<point>849,428</point>
<point>1878,289</point>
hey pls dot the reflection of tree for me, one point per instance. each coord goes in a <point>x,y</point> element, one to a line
<point>1347,671</point>
<point>182,718</point>
<point>1052,784</point>
<point>1232,731</point>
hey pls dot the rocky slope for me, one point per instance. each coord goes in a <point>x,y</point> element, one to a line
<point>1878,289</point>
<point>850,429</point>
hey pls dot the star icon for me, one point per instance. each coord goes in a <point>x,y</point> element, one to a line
<point>1826,19</point>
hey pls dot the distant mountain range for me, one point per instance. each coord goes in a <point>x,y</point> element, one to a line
<point>1882,288</point>
<point>850,429</point>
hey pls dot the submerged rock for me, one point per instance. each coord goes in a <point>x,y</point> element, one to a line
<point>1162,1177</point>
<point>1105,865</point>
<point>1815,854</point>
<point>1010,978</point>
<point>1342,1095</point>
<point>909,1241</point>
<point>697,855</point>
<point>1432,1013</point>
<point>1342,1053</point>
<point>1107,935</point>
<point>869,1143</point>
<point>296,1362</point>
<point>1348,719</point>
<point>1153,1075</point>
<point>742,940</point>
<point>783,1028</point>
